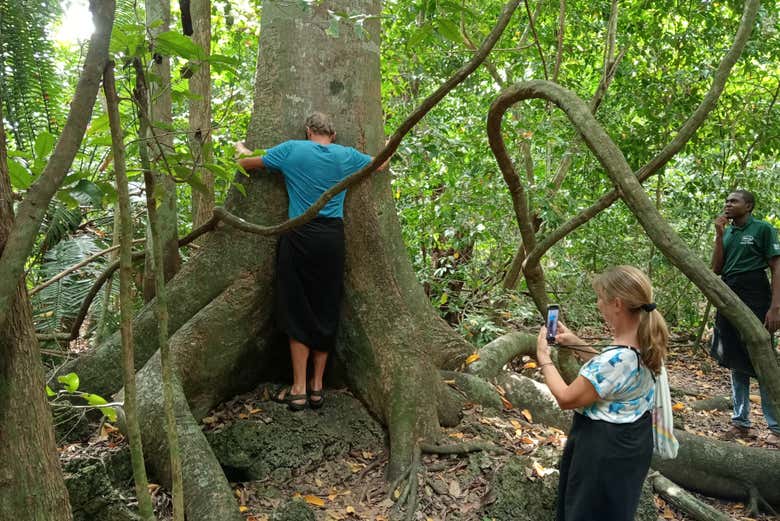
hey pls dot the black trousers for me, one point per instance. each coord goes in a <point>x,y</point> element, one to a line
<point>309,282</point>
<point>602,469</point>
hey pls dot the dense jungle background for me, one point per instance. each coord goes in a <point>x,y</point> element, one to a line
<point>645,67</point>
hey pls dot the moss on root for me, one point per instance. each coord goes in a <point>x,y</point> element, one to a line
<point>276,442</point>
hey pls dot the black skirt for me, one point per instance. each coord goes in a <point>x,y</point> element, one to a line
<point>727,346</point>
<point>309,282</point>
<point>602,469</point>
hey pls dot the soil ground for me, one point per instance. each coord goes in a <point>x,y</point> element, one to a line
<point>458,487</point>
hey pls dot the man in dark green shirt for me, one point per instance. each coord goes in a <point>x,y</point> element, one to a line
<point>741,255</point>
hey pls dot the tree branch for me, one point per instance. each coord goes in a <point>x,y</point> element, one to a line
<point>683,135</point>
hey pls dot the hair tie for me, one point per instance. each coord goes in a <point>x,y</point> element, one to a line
<point>648,307</point>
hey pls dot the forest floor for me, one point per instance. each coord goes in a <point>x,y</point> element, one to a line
<point>458,487</point>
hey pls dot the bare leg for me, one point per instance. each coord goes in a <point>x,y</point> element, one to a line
<point>299,353</point>
<point>319,359</point>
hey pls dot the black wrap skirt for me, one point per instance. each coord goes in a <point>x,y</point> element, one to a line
<point>602,469</point>
<point>727,346</point>
<point>309,282</point>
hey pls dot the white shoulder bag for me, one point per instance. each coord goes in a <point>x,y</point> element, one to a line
<point>665,445</point>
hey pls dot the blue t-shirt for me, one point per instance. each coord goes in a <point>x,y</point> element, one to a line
<point>626,387</point>
<point>309,169</point>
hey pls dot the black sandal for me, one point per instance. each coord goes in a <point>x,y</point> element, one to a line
<point>316,404</point>
<point>282,395</point>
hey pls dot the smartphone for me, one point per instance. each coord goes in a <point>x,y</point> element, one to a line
<point>552,322</point>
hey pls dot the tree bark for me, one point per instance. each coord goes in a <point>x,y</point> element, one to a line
<point>391,342</point>
<point>31,482</point>
<point>200,116</point>
<point>159,143</point>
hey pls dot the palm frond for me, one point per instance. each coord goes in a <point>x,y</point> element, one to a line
<point>29,85</point>
<point>55,307</point>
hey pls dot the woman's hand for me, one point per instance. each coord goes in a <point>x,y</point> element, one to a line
<point>542,348</point>
<point>565,337</point>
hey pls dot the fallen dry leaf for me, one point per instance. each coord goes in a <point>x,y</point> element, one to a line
<point>529,365</point>
<point>472,358</point>
<point>314,500</point>
<point>527,415</point>
<point>540,471</point>
<point>454,489</point>
<point>678,406</point>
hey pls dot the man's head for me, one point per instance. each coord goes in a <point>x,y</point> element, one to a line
<point>739,203</point>
<point>319,124</point>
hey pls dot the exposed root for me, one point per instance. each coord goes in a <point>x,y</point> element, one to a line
<point>684,501</point>
<point>462,448</point>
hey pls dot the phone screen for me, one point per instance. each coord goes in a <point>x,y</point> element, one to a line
<point>552,323</point>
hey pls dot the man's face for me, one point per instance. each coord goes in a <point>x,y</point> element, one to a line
<point>736,206</point>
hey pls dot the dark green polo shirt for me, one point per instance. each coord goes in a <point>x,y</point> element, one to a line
<point>750,247</point>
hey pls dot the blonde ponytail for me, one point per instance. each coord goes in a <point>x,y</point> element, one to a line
<point>653,339</point>
<point>633,287</point>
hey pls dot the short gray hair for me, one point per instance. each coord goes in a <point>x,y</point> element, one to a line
<point>320,123</point>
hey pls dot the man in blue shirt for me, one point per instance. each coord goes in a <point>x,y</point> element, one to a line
<point>310,258</point>
<point>741,255</point>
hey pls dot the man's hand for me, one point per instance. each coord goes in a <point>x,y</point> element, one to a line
<point>241,149</point>
<point>772,319</point>
<point>720,224</point>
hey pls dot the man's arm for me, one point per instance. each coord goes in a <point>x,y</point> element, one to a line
<point>717,251</point>
<point>248,163</point>
<point>772,320</point>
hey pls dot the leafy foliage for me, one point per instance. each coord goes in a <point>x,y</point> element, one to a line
<point>29,85</point>
<point>457,216</point>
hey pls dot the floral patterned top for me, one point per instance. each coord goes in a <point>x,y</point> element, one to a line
<point>626,387</point>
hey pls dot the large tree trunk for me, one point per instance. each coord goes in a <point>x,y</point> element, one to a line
<point>391,340</point>
<point>31,484</point>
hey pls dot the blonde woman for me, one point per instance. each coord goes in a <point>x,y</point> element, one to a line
<point>607,454</point>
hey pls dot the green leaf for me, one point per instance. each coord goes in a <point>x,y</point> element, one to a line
<point>50,393</point>
<point>87,192</point>
<point>98,124</point>
<point>44,144</point>
<point>241,188</point>
<point>21,178</point>
<point>333,28</point>
<point>444,298</point>
<point>360,31</point>
<point>70,381</point>
<point>449,30</point>
<point>419,35</point>
<point>128,38</point>
<point>172,43</point>
<point>109,413</point>
<point>222,63</point>
<point>94,399</point>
